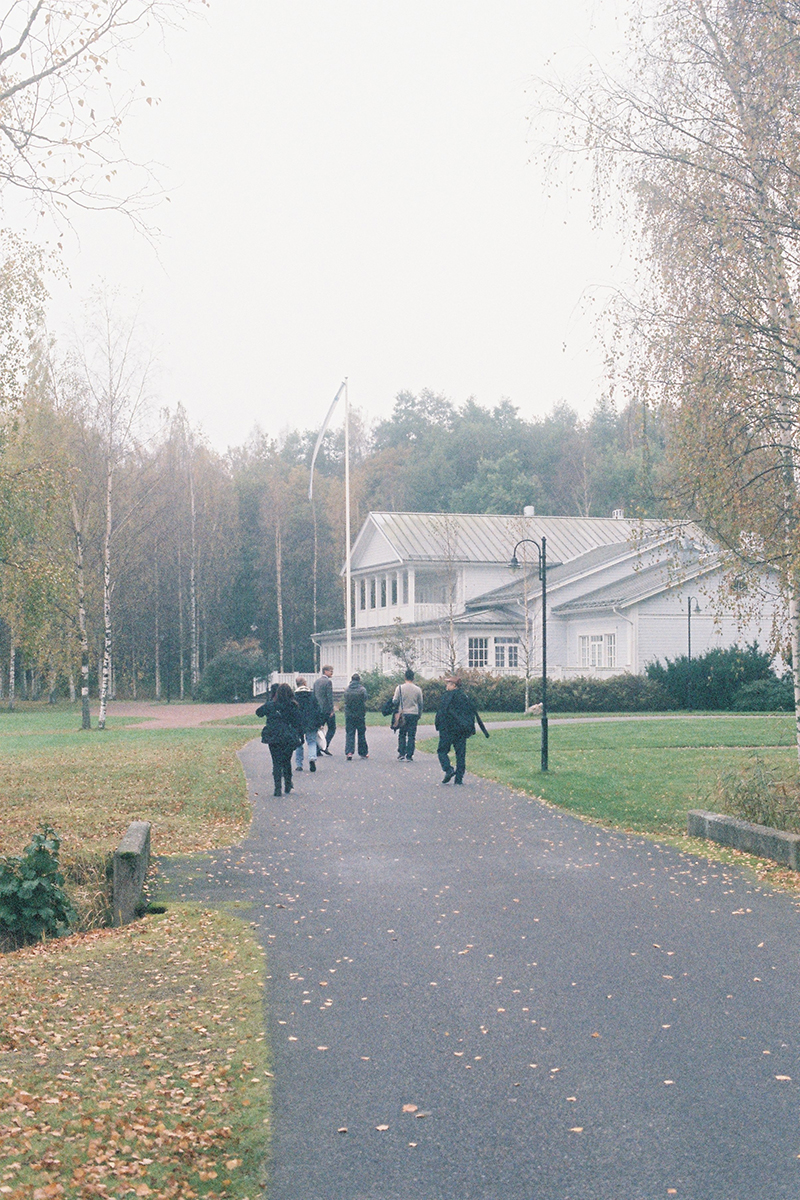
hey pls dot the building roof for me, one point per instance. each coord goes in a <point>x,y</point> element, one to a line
<point>635,587</point>
<point>488,538</point>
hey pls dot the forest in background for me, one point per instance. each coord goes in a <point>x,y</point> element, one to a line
<point>118,516</point>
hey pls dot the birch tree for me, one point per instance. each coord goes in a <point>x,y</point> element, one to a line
<point>704,137</point>
<point>64,95</point>
<point>116,378</point>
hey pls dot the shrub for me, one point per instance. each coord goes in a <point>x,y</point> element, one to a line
<point>756,794</point>
<point>229,675</point>
<point>506,693</point>
<point>765,695</point>
<point>33,903</point>
<point>712,680</point>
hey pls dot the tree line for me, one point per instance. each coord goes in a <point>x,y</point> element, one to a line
<point>133,553</point>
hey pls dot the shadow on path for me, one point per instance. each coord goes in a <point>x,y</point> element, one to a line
<point>498,1001</point>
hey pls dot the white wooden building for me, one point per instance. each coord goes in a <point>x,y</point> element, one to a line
<point>618,593</point>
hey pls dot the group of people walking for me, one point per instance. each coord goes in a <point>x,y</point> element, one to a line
<point>305,720</point>
<point>296,721</point>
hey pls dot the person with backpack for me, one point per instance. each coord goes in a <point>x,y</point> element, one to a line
<point>355,718</point>
<point>455,719</point>
<point>283,733</point>
<point>311,719</point>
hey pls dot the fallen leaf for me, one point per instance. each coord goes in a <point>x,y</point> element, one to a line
<point>381,1127</point>
<point>342,1129</point>
<point>576,1129</point>
<point>785,1078</point>
<point>410,1107</point>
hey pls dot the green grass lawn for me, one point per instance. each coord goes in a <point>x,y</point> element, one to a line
<point>638,775</point>
<point>91,784</point>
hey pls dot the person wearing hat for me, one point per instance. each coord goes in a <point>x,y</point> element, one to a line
<point>455,719</point>
<point>355,718</point>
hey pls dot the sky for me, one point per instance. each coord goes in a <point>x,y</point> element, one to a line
<point>355,190</point>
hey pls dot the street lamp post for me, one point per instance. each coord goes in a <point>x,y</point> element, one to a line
<point>689,600</point>
<point>541,550</point>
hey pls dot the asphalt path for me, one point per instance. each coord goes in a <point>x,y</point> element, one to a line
<point>474,996</point>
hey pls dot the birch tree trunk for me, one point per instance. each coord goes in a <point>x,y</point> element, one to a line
<point>180,626</point>
<point>157,646</point>
<point>194,657</point>
<point>105,682</point>
<point>12,669</point>
<point>77,527</point>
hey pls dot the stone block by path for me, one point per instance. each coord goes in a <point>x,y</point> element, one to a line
<point>781,847</point>
<point>131,860</point>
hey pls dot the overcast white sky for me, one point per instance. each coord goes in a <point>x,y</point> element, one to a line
<point>352,193</point>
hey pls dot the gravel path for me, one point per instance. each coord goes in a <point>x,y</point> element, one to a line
<point>179,715</point>
<point>472,996</point>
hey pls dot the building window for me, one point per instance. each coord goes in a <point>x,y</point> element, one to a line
<point>394,589</point>
<point>372,601</point>
<point>599,650</point>
<point>362,594</point>
<point>405,587</point>
<point>506,652</point>
<point>383,591</point>
<point>478,654</point>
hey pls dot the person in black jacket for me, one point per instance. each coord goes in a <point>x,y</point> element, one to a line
<point>455,720</point>
<point>355,718</point>
<point>283,732</point>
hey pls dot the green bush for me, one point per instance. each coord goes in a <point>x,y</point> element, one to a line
<point>765,695</point>
<point>506,693</point>
<point>33,903</point>
<point>229,675</point>
<point>712,680</point>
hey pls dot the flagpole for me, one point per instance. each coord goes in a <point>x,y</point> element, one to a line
<point>347,607</point>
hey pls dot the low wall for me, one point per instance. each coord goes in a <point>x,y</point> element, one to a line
<point>783,848</point>
<point>131,860</point>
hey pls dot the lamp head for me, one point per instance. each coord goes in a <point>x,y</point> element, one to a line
<point>514,564</point>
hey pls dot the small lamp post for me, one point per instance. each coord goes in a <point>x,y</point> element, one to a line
<point>541,551</point>
<point>689,600</point>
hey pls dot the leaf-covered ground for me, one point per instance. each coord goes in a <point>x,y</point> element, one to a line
<point>133,1063</point>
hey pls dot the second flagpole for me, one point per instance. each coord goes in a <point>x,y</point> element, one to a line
<point>348,600</point>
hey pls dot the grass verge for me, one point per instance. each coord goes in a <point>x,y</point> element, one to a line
<point>91,785</point>
<point>637,775</point>
<point>133,1062</point>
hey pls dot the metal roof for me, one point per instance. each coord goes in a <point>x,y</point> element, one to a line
<point>639,585</point>
<point>486,538</point>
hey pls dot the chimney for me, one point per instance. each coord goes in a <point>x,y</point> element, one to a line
<point>529,511</point>
<point>618,514</point>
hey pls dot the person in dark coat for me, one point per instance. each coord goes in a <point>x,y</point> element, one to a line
<point>323,694</point>
<point>355,718</point>
<point>455,720</point>
<point>283,733</point>
<point>312,719</point>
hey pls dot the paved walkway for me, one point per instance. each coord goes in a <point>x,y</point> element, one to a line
<point>497,1001</point>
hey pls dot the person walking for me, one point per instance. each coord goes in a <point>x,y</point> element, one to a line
<point>455,719</point>
<point>311,720</point>
<point>323,694</point>
<point>283,733</point>
<point>407,702</point>
<point>355,718</point>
